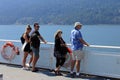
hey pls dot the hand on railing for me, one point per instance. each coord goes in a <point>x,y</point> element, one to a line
<point>87,44</point>
<point>45,42</point>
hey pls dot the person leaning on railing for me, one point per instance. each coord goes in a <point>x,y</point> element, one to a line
<point>77,43</point>
<point>60,51</point>
<point>35,44</point>
<point>25,40</point>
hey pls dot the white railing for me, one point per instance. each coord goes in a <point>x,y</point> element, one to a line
<point>97,63</point>
<point>51,43</point>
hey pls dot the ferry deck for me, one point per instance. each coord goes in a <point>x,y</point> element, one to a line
<point>96,65</point>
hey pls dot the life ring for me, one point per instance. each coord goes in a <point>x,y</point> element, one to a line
<point>12,51</point>
<point>68,58</point>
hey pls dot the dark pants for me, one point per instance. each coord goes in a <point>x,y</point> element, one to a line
<point>60,61</point>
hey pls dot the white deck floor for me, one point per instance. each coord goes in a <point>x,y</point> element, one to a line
<point>11,72</point>
<point>16,73</point>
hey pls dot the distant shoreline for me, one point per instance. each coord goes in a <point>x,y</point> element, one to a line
<point>60,24</point>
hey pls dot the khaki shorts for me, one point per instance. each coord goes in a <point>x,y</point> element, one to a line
<point>77,55</point>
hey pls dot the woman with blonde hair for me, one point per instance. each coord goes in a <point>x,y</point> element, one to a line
<point>25,39</point>
<point>60,51</point>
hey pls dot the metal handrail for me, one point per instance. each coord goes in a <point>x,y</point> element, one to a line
<point>51,43</point>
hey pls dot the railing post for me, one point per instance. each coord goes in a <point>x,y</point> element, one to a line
<point>51,58</point>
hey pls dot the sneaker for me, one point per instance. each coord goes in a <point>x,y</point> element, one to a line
<point>77,76</point>
<point>28,65</point>
<point>25,68</point>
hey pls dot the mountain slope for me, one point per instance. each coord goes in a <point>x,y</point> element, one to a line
<point>60,11</point>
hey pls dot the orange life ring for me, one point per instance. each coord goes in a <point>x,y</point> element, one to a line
<point>14,51</point>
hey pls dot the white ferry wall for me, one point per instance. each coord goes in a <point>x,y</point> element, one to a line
<point>101,63</point>
<point>45,55</point>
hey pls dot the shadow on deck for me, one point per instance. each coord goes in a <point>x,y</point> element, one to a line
<point>15,72</point>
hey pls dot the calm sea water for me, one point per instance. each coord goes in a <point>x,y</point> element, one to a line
<point>93,34</point>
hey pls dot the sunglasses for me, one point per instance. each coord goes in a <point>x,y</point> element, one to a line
<point>60,32</point>
<point>37,26</point>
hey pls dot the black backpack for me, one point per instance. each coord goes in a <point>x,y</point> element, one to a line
<point>22,39</point>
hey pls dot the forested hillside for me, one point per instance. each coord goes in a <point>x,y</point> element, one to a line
<point>59,11</point>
